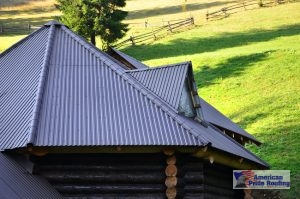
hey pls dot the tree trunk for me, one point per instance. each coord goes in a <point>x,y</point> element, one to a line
<point>93,38</point>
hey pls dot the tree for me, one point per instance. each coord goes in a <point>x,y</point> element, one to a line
<point>91,18</point>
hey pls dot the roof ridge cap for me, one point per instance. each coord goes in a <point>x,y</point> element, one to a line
<point>159,67</point>
<point>41,85</point>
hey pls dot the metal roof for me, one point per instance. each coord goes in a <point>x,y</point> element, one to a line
<point>76,95</point>
<point>20,70</point>
<point>17,182</point>
<point>84,98</point>
<point>216,118</point>
<point>166,82</point>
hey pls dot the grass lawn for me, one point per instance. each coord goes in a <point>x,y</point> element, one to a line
<point>248,66</point>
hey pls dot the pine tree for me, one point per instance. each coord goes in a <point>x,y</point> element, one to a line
<point>91,18</point>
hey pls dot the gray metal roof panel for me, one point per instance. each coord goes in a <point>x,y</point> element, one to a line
<point>20,70</point>
<point>166,82</point>
<point>213,116</point>
<point>89,101</point>
<point>17,182</point>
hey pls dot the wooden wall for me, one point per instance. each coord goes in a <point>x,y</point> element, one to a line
<point>130,176</point>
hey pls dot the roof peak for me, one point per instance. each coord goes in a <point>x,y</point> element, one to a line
<point>53,22</point>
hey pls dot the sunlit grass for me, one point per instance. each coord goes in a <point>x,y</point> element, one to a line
<point>248,66</point>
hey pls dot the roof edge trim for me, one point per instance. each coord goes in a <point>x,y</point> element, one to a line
<point>41,86</point>
<point>255,141</point>
<point>238,144</point>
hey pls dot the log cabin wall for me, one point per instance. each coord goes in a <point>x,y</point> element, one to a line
<point>104,175</point>
<point>132,176</point>
<point>208,181</point>
<point>218,182</point>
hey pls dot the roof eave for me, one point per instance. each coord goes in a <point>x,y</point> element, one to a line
<point>215,155</point>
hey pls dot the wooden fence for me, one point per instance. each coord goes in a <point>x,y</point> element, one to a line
<point>242,5</point>
<point>156,33</point>
<point>22,28</point>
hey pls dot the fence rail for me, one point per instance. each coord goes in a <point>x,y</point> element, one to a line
<point>156,33</point>
<point>226,11</point>
<point>24,28</point>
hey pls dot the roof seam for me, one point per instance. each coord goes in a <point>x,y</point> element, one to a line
<point>41,86</point>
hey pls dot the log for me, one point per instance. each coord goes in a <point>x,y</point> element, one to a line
<point>111,167</point>
<point>189,188</point>
<point>193,166</point>
<point>171,160</point>
<point>219,191</point>
<point>111,188</point>
<point>168,151</point>
<point>93,177</point>
<point>218,182</point>
<point>194,177</point>
<point>174,182</point>
<point>174,192</point>
<point>171,170</point>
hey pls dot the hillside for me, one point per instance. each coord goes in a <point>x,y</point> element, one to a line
<point>248,66</point>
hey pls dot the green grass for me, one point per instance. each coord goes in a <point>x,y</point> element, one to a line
<point>248,66</point>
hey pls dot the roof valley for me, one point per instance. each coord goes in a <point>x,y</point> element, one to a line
<point>41,86</point>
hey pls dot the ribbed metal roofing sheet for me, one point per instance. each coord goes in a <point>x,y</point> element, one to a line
<point>166,82</point>
<point>137,64</point>
<point>215,117</point>
<point>87,103</point>
<point>20,71</point>
<point>16,182</point>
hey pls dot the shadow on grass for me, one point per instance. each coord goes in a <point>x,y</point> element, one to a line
<point>232,67</point>
<point>178,47</point>
<point>140,14</point>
